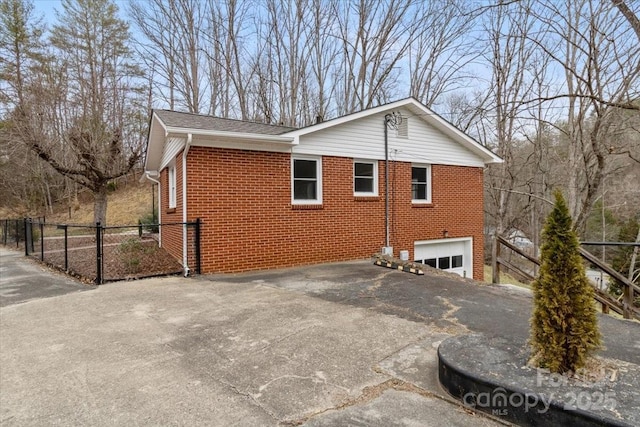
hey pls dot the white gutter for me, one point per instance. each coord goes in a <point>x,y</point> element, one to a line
<point>147,175</point>
<point>289,140</point>
<point>184,204</point>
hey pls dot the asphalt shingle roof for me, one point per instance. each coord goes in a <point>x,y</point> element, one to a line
<point>197,121</point>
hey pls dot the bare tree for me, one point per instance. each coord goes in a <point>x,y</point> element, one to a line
<point>20,47</point>
<point>629,15</point>
<point>374,37</point>
<point>591,43</point>
<point>324,49</point>
<point>191,19</point>
<point>173,48</point>
<point>285,59</point>
<point>508,54</point>
<point>292,62</point>
<point>238,65</point>
<point>218,78</point>
<point>440,53</point>
<point>83,114</point>
<point>28,183</point>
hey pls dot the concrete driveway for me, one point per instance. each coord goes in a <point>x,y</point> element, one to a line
<point>228,350</point>
<point>442,301</point>
<point>337,344</point>
<point>23,280</point>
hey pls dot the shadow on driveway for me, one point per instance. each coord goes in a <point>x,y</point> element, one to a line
<point>22,279</point>
<point>447,303</point>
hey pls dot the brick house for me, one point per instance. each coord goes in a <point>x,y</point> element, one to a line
<point>272,196</point>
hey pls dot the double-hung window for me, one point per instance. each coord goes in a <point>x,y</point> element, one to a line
<point>306,180</point>
<point>172,186</point>
<point>365,178</point>
<point>421,183</point>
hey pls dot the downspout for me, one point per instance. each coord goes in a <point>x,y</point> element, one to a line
<point>184,205</point>
<point>386,180</point>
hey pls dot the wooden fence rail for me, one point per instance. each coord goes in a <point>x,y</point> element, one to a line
<point>623,306</point>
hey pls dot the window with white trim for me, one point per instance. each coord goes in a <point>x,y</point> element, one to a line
<point>172,186</point>
<point>443,263</point>
<point>306,180</point>
<point>365,178</point>
<point>421,183</point>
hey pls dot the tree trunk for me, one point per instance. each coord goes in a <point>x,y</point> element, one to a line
<point>49,199</point>
<point>100,205</point>
<point>634,257</point>
<point>629,16</point>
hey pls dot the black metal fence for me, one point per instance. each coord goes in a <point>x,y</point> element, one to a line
<point>12,231</point>
<point>99,253</point>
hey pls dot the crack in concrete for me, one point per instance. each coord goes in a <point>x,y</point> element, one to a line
<point>395,309</point>
<point>369,292</point>
<point>448,316</point>
<point>373,392</point>
<point>409,314</point>
<point>397,351</point>
<point>279,340</point>
<point>319,378</point>
<point>250,397</point>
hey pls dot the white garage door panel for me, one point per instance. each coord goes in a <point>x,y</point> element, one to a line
<point>453,255</point>
<point>437,249</point>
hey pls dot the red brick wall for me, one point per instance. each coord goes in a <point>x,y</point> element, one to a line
<point>248,222</point>
<point>456,206</point>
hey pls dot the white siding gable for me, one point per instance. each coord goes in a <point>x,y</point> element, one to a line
<point>364,138</point>
<point>171,149</point>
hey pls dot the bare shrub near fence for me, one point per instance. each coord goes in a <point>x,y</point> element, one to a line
<point>131,253</point>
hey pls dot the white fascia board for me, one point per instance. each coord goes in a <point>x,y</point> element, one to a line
<point>164,128</point>
<point>447,240</point>
<point>155,143</point>
<point>349,117</point>
<point>471,144</point>
<point>276,139</point>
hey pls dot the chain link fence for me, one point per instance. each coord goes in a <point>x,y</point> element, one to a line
<point>12,231</point>
<point>100,254</point>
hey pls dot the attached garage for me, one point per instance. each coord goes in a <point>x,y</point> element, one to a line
<point>453,255</point>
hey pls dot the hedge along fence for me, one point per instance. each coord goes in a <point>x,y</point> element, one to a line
<point>99,254</point>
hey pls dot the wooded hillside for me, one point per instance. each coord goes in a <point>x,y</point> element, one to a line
<point>551,86</point>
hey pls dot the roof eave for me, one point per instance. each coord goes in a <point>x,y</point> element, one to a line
<point>155,142</point>
<point>350,117</point>
<point>495,160</point>
<point>279,139</point>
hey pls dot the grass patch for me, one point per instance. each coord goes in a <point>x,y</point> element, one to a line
<point>505,278</point>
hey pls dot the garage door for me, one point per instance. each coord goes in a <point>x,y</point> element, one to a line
<point>454,255</point>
